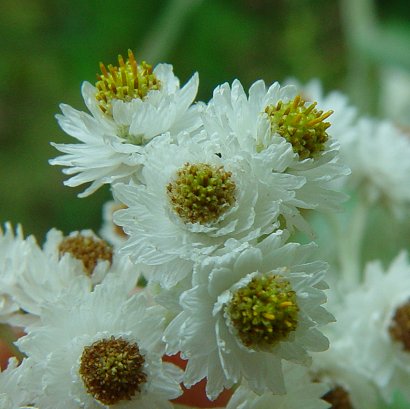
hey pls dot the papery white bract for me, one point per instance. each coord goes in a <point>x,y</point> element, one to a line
<point>221,356</point>
<point>12,396</point>
<point>112,144</point>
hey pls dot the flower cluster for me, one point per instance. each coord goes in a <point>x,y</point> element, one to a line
<point>198,259</point>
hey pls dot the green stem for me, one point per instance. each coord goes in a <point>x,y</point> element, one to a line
<point>164,34</point>
<point>350,249</point>
<point>359,26</point>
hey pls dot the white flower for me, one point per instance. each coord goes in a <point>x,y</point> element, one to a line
<point>338,369</point>
<point>200,199</point>
<point>30,275</point>
<point>379,159</point>
<point>301,393</point>
<point>124,120</point>
<point>376,316</point>
<point>274,280</point>
<point>99,349</point>
<point>273,117</point>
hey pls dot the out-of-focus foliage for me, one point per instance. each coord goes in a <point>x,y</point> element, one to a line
<point>50,47</point>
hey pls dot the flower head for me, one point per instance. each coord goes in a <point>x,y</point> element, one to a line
<point>130,105</point>
<point>199,200</point>
<point>377,314</point>
<point>292,136</point>
<point>260,307</point>
<point>99,349</point>
<point>380,167</point>
<point>31,275</point>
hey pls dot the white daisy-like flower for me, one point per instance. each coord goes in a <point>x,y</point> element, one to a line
<point>301,393</point>
<point>379,159</point>
<point>256,309</point>
<point>200,199</point>
<point>376,315</point>
<point>99,349</point>
<point>130,105</point>
<point>31,275</point>
<point>338,369</point>
<point>273,117</point>
<point>109,231</point>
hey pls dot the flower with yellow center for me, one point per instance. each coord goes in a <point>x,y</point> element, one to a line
<point>197,204</point>
<point>131,104</point>
<point>293,137</point>
<point>257,308</point>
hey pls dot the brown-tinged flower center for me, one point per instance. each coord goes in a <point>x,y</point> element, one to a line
<point>87,249</point>
<point>112,370</point>
<point>339,398</point>
<point>400,326</point>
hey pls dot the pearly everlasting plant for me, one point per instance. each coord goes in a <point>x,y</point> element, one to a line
<point>205,279</point>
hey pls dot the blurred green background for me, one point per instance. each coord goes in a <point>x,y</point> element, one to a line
<point>50,47</point>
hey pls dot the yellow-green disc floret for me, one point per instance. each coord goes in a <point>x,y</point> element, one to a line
<point>265,311</point>
<point>302,126</point>
<point>126,82</point>
<point>201,193</point>
<point>112,370</point>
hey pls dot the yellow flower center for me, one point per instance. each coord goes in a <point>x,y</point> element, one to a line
<point>112,370</point>
<point>302,126</point>
<point>265,311</point>
<point>201,193</point>
<point>126,82</point>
